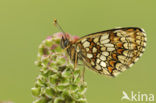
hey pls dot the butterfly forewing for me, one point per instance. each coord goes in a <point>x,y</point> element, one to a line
<point>112,51</point>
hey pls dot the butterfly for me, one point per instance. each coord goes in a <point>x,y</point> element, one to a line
<point>108,52</point>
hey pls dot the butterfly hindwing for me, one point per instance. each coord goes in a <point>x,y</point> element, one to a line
<point>112,51</point>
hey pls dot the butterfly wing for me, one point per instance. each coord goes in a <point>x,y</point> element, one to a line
<point>112,51</point>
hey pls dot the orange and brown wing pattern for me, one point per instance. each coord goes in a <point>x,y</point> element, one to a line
<point>112,51</point>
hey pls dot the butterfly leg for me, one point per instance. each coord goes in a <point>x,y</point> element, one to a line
<point>82,72</point>
<point>75,61</point>
<point>82,75</point>
<point>75,65</point>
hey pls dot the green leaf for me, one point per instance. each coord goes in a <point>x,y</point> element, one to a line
<point>74,87</point>
<point>53,79</point>
<point>35,91</point>
<point>50,92</point>
<point>48,43</point>
<point>62,87</point>
<point>82,89</point>
<point>41,100</point>
<point>59,100</point>
<point>66,73</point>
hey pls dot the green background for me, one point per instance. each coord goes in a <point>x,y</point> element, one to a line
<point>25,23</point>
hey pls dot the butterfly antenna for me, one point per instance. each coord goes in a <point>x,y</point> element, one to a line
<point>59,27</point>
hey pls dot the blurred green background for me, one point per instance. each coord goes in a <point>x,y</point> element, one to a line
<point>25,23</point>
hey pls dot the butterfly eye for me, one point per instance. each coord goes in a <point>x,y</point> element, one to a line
<point>64,42</point>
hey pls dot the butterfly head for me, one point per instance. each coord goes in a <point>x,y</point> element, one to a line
<point>64,41</point>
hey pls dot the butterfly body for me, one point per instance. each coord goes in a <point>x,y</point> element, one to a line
<point>108,52</point>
